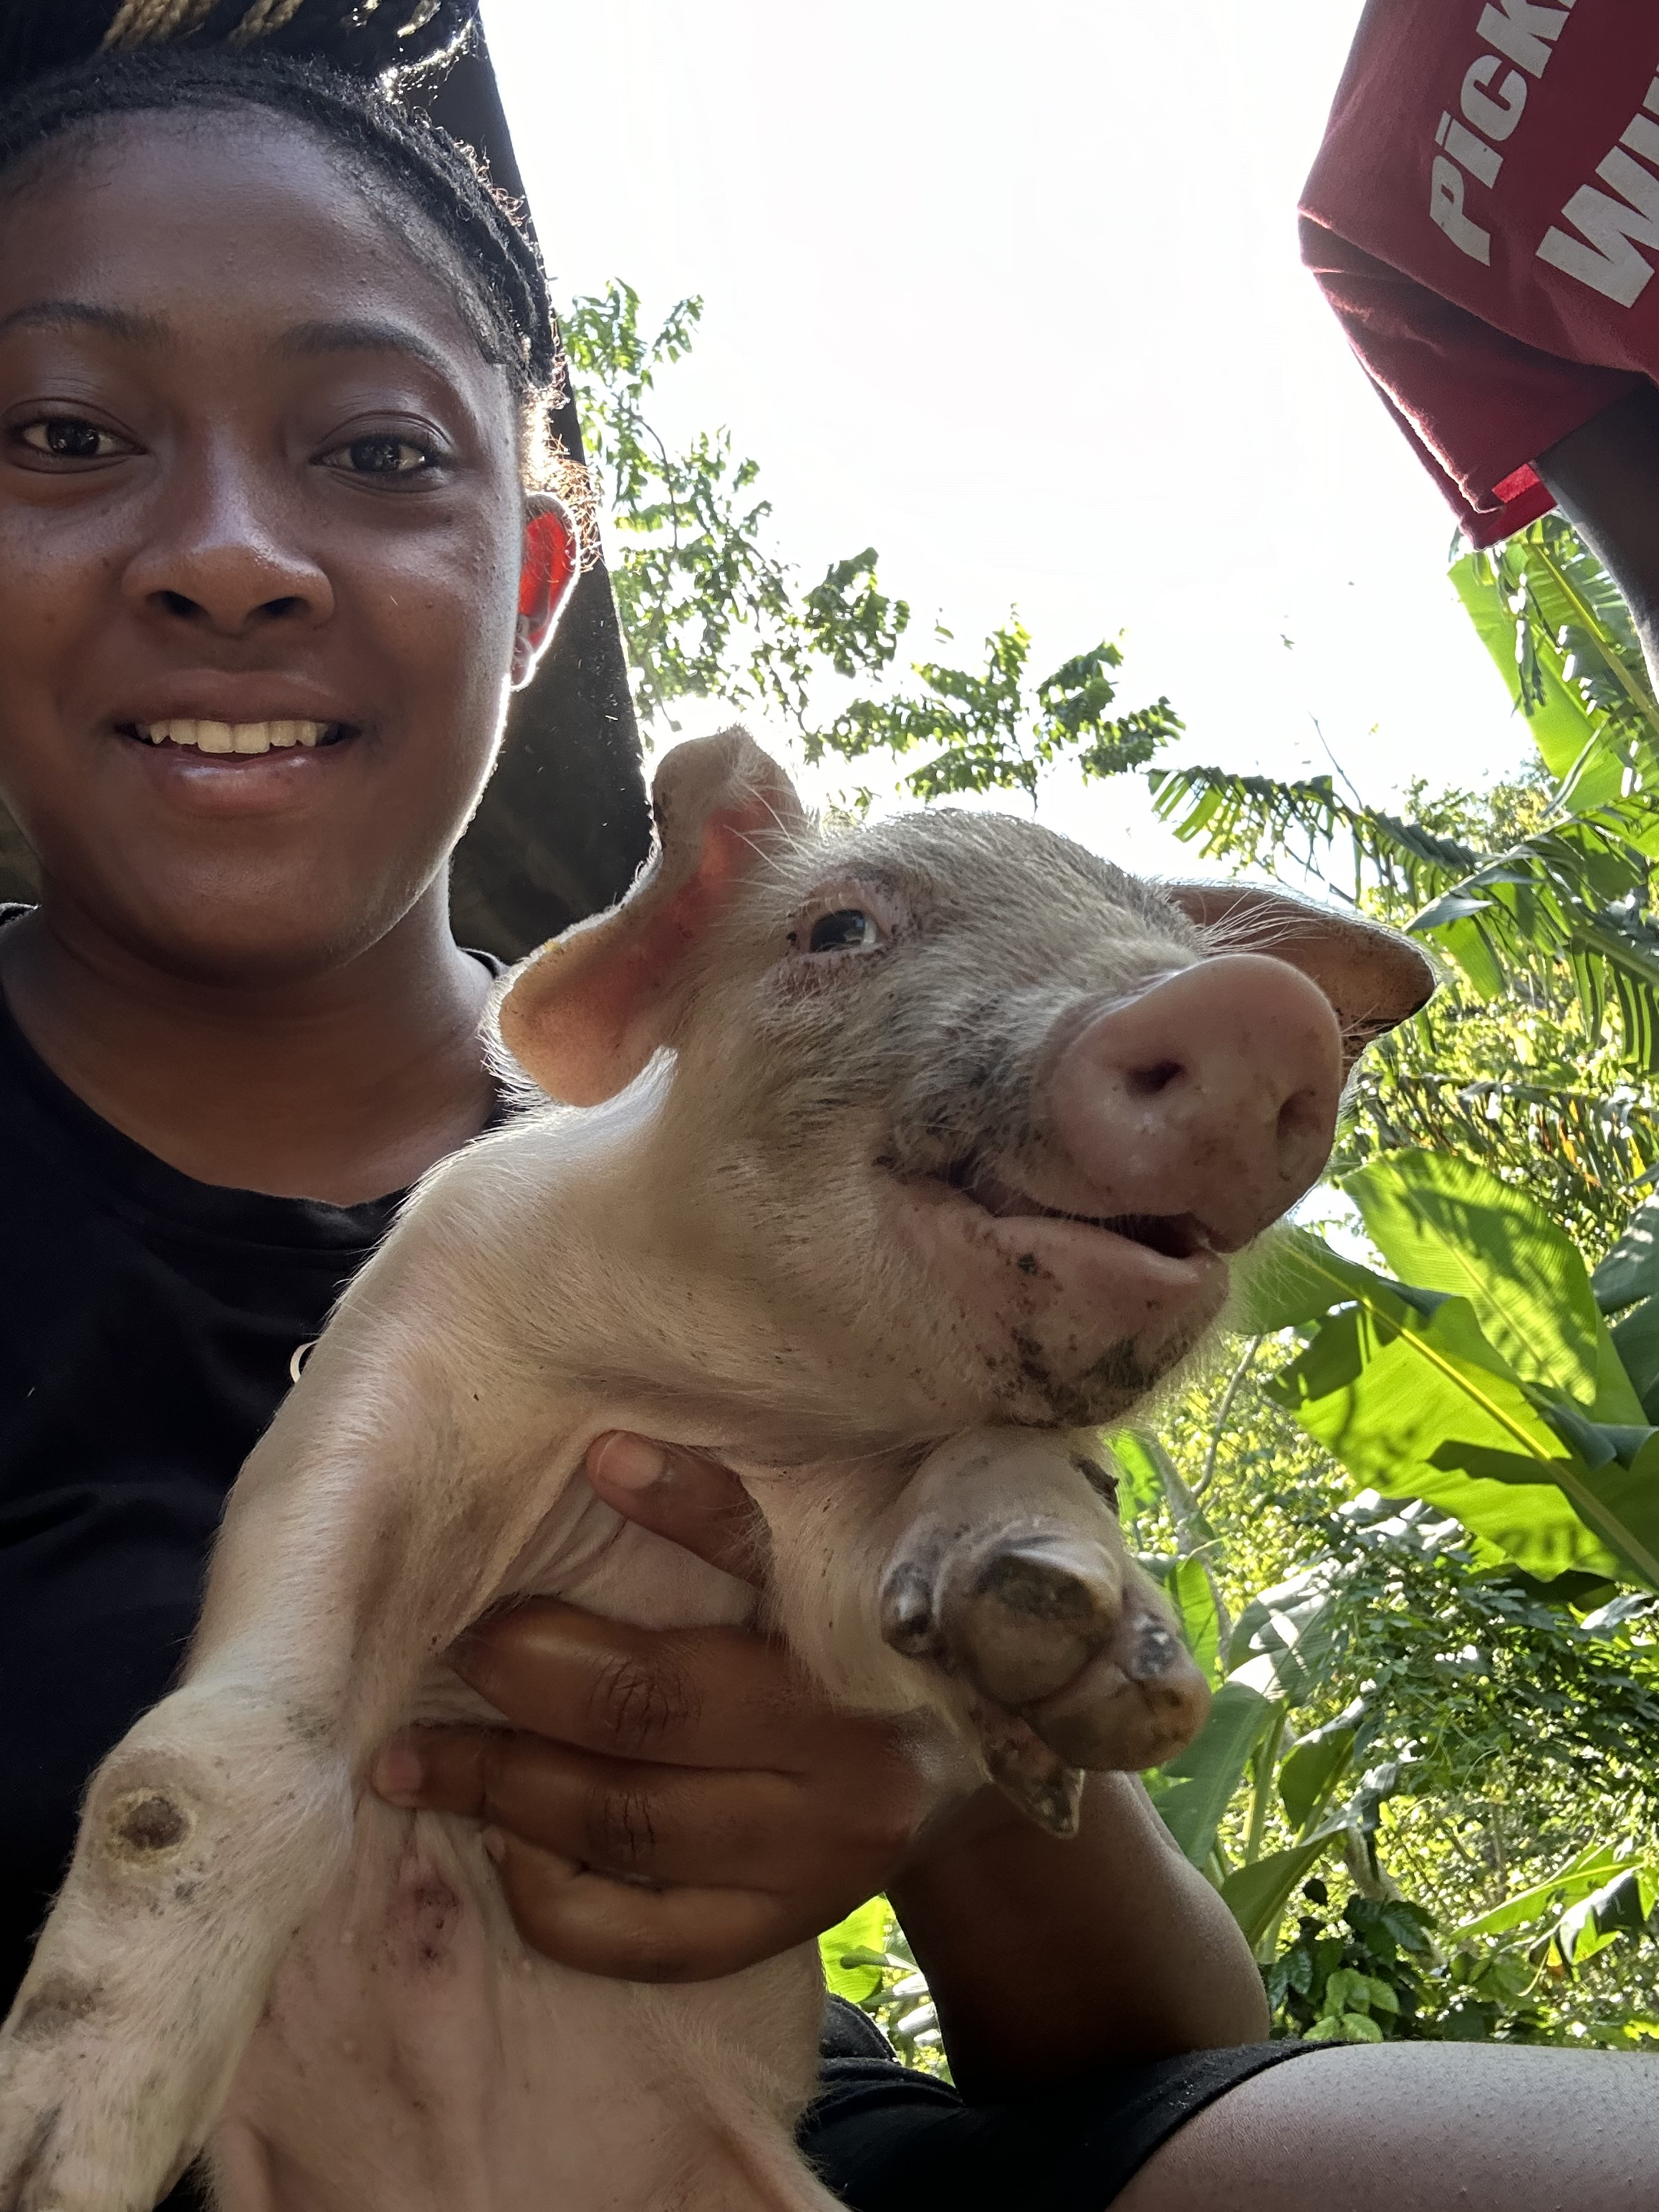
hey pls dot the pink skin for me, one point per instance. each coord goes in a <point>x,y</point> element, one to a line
<point>1209,1099</point>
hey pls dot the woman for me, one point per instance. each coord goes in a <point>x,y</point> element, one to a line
<point>270,362</point>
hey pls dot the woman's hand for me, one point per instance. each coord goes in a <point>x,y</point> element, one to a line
<point>672,1805</point>
<point>677,1804</point>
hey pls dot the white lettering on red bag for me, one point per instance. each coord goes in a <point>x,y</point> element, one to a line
<point>1606,256</point>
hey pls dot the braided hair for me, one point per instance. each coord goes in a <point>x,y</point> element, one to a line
<point>336,66</point>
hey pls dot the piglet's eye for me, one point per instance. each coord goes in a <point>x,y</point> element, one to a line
<point>849,929</point>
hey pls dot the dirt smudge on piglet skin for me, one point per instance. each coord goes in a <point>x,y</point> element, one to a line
<point>56,2006</point>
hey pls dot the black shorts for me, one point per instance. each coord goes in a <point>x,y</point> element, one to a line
<point>888,2140</point>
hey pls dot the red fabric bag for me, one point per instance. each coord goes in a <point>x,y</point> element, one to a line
<point>1484,218</point>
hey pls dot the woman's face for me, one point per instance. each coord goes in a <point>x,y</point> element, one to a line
<point>253,471</point>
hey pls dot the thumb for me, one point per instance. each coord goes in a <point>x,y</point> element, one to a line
<point>692,1501</point>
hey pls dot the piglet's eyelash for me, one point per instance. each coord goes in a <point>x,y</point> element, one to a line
<point>848,918</point>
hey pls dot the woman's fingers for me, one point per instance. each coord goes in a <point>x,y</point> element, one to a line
<point>694,1696</point>
<point>639,1934</point>
<point>668,1803</point>
<point>715,1829</point>
<point>694,1503</point>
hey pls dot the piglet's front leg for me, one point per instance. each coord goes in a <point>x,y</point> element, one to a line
<point>1011,1573</point>
<point>207,1836</point>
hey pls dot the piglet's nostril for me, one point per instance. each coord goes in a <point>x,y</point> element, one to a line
<point>1301,1118</point>
<point>1147,1082</point>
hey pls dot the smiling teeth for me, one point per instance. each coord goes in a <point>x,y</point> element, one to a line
<point>233,737</point>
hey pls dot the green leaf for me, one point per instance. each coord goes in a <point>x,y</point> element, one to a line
<point>1258,1893</point>
<point>1582,1874</point>
<point>1283,1641</point>
<point>1449,1225</point>
<point>1557,719</point>
<point>861,1932</point>
<point>1141,1480</point>
<point>1342,1989</point>
<point>1631,1270</point>
<point>1406,1923</point>
<point>1360,2028</point>
<point>1635,1341</point>
<point>1619,1907</point>
<point>1421,1406</point>
<point>1284,1281</point>
<point>1555,624</point>
<point>1310,1771</point>
<point>1193,1791</point>
<point>1189,1586</point>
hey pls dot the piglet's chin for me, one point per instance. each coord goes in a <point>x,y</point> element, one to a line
<point>1085,1309</point>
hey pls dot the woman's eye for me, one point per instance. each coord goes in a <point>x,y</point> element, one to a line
<point>382,456</point>
<point>68,438</point>
<point>849,929</point>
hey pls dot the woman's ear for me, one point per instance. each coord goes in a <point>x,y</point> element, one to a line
<point>551,563</point>
<point>1373,977</point>
<point>585,1014</point>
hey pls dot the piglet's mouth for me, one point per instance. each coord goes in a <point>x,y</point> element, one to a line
<point>1176,1235</point>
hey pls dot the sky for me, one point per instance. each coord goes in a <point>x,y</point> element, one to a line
<point>1013,295</point>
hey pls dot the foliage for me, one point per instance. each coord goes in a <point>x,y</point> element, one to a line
<point>1562,638</point>
<point>1574,893</point>
<point>710,611</point>
<point>1342,1977</point>
<point>1488,1383</point>
<point>1429,1720</point>
<point>867,1960</point>
<point>1569,895</point>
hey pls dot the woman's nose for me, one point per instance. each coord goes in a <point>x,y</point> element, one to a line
<point>222,554</point>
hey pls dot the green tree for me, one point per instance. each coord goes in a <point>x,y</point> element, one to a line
<point>711,610</point>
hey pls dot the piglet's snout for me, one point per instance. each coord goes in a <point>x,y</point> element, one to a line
<point>1212,1093</point>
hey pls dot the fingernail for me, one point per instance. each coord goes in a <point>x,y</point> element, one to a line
<point>397,1773</point>
<point>630,1462</point>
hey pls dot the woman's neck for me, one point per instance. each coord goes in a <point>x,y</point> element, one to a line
<point>342,1086</point>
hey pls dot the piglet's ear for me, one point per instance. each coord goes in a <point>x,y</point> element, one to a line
<point>585,1014</point>
<point>1373,977</point>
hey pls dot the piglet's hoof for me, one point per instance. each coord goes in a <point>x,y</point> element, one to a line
<point>1019,1615</point>
<point>1060,1632</point>
<point>1135,1705</point>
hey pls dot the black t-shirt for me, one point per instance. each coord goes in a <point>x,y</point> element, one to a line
<point>147,1327</point>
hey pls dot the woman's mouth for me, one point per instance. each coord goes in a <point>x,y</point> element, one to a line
<point>238,739</point>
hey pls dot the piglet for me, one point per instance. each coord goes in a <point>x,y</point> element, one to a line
<point>891,1165</point>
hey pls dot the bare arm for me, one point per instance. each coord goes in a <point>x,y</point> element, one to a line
<point>1605,479</point>
<point>1044,1957</point>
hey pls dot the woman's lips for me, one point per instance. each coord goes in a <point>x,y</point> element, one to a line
<point>237,740</point>
<point>245,769</point>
